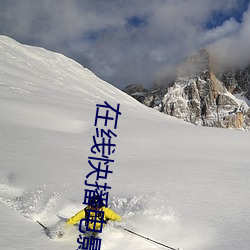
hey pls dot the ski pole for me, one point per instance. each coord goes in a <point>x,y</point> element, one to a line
<point>150,239</point>
<point>45,228</point>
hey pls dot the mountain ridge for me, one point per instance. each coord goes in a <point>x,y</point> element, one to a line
<point>200,95</point>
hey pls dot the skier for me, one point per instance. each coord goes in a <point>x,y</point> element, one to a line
<point>95,207</point>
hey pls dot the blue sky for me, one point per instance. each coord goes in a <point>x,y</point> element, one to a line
<point>131,41</point>
<point>218,17</point>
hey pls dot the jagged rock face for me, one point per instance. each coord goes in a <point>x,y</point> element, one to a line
<point>133,88</point>
<point>237,81</point>
<point>137,91</point>
<point>205,102</point>
<point>199,97</point>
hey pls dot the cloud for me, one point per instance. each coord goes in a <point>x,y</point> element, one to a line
<point>121,41</point>
<point>228,28</point>
<point>233,49</point>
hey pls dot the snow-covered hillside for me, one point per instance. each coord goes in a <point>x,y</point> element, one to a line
<point>176,183</point>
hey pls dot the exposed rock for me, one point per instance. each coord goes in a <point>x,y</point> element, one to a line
<point>237,81</point>
<point>137,91</point>
<point>133,88</point>
<point>199,97</point>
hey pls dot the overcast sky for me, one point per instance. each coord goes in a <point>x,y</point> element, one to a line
<point>131,41</point>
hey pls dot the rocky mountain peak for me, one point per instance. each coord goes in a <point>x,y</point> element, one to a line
<point>197,64</point>
<point>200,96</point>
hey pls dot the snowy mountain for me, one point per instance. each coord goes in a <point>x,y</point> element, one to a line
<point>182,185</point>
<point>237,81</point>
<point>201,96</point>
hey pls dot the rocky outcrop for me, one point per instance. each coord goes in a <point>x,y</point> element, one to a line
<point>201,97</point>
<point>237,81</point>
<point>137,91</point>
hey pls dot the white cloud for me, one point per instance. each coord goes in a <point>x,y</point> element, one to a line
<point>228,28</point>
<point>233,50</point>
<point>97,32</point>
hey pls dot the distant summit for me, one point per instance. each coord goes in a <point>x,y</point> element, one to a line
<point>200,96</point>
<point>197,64</point>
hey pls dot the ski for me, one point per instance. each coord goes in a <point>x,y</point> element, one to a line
<point>61,217</point>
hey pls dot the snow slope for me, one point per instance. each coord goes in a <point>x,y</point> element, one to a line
<point>176,183</point>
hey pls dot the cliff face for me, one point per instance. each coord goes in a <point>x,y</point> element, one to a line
<point>237,81</point>
<point>201,97</point>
